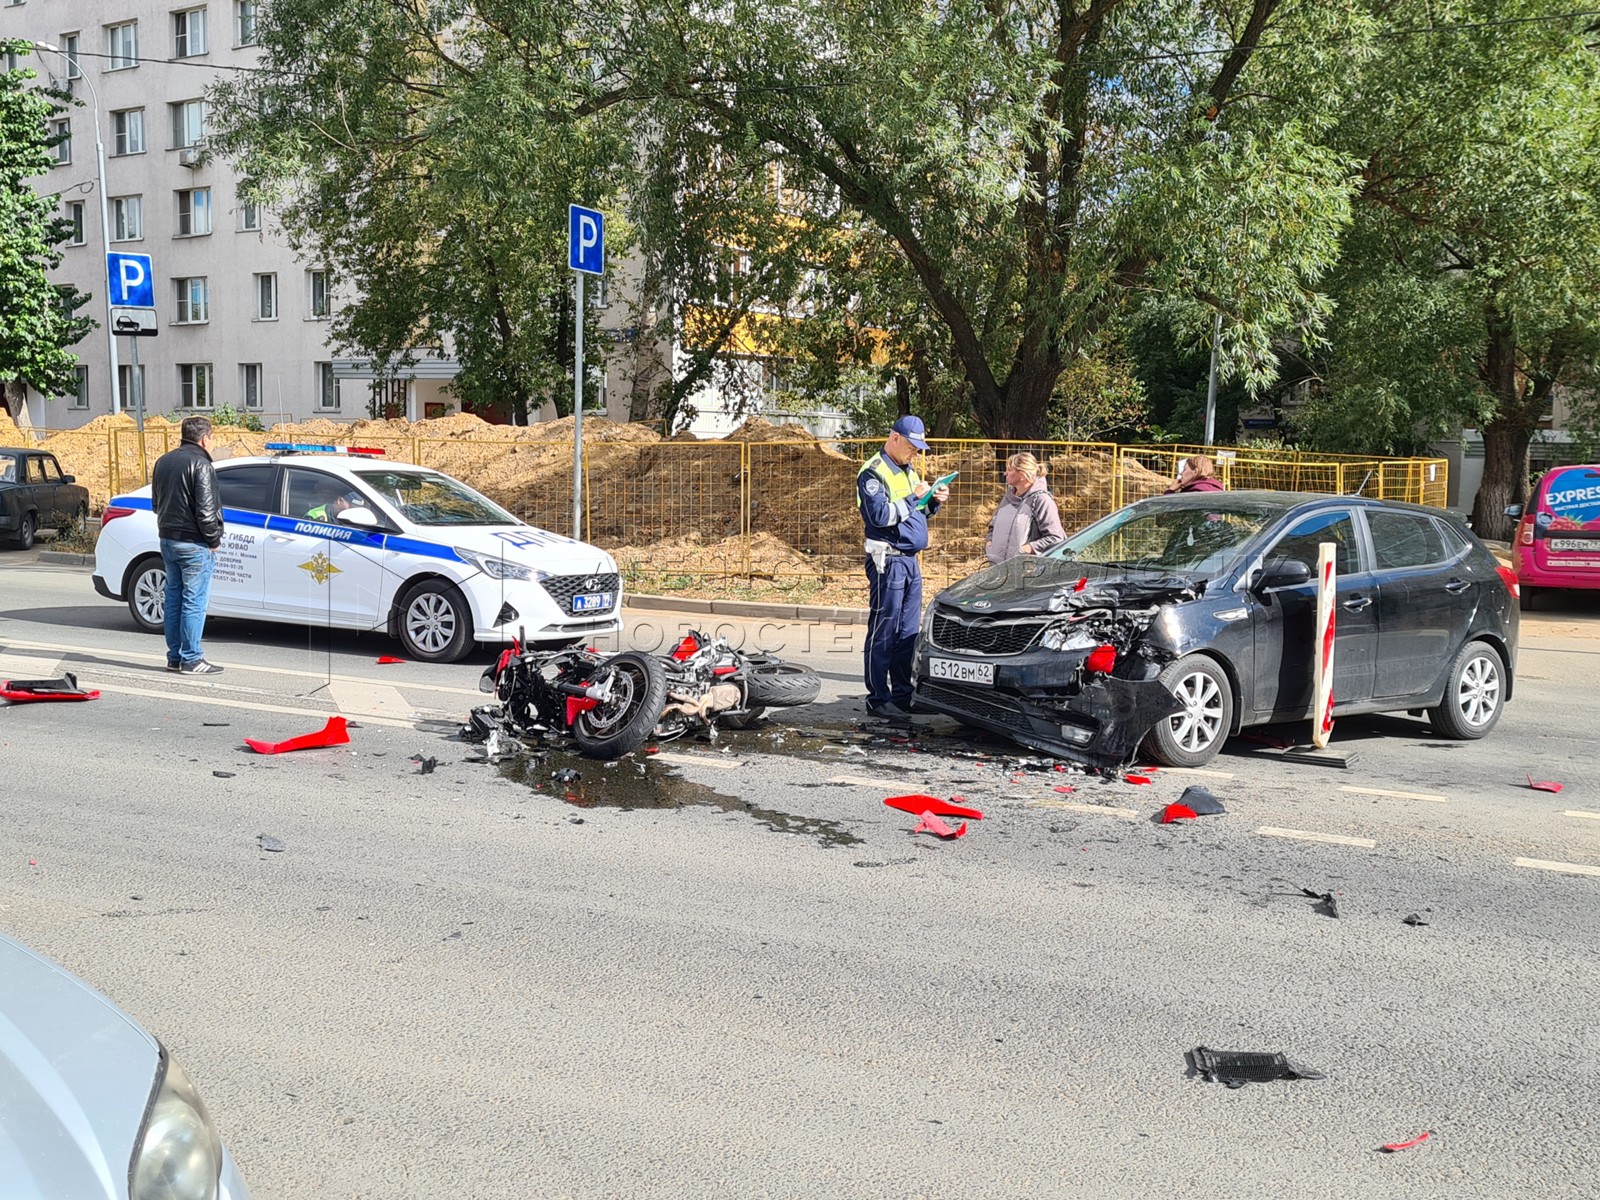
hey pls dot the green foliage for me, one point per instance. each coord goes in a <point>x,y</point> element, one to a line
<point>37,321</point>
<point>227,414</point>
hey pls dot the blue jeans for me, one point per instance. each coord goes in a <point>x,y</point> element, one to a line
<point>188,587</point>
<point>892,626</point>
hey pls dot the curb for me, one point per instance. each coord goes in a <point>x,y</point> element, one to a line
<point>748,608</point>
<point>65,559</point>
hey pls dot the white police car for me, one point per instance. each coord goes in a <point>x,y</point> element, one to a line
<point>333,536</point>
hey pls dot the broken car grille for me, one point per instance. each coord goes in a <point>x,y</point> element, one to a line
<point>985,636</point>
<point>563,588</point>
<point>974,704</point>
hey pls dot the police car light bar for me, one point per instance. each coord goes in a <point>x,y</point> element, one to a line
<point>312,448</point>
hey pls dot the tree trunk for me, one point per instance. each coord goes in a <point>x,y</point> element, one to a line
<point>1507,435</point>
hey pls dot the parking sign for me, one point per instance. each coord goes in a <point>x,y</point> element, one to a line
<point>586,246</point>
<point>132,280</point>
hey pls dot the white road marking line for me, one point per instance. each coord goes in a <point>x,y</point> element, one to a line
<point>252,705</point>
<point>888,785</point>
<point>1197,771</point>
<point>1365,791</point>
<point>369,699</point>
<point>27,666</point>
<point>1578,812</point>
<point>1565,868</point>
<point>1306,835</point>
<point>1070,806</point>
<point>700,760</point>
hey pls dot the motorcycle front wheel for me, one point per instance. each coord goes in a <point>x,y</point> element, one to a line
<point>773,683</point>
<point>622,723</point>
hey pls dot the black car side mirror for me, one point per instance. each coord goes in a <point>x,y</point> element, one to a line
<point>1283,571</point>
<point>69,479</point>
<point>1514,511</point>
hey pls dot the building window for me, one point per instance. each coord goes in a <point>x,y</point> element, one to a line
<point>189,33</point>
<point>69,49</point>
<point>62,132</point>
<point>130,385</point>
<point>250,385</point>
<point>75,215</point>
<point>249,216</point>
<point>194,304</point>
<point>194,385</point>
<point>188,123</point>
<point>327,389</point>
<point>79,396</point>
<point>194,212</point>
<point>266,297</point>
<point>122,46</point>
<point>244,21</point>
<point>127,218</point>
<point>317,285</point>
<point>127,130</point>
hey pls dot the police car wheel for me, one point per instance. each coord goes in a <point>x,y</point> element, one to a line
<point>435,623</point>
<point>147,593</point>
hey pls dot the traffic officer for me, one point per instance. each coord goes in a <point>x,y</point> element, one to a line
<point>888,490</point>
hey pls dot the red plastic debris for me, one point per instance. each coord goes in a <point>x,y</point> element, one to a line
<point>1064,788</point>
<point>1391,1147</point>
<point>931,824</point>
<point>934,805</point>
<point>578,704</point>
<point>1061,767</point>
<point>385,660</point>
<point>33,862</point>
<point>1136,779</point>
<point>1081,584</point>
<point>652,749</point>
<point>33,691</point>
<point>1100,660</point>
<point>1177,812</point>
<point>331,734</point>
<point>1544,785</point>
<point>685,649</point>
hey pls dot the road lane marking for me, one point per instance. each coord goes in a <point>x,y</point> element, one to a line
<point>369,699</point>
<point>27,666</point>
<point>888,785</point>
<point>252,705</point>
<point>1306,835</point>
<point>1565,868</point>
<point>1196,771</point>
<point>1071,806</point>
<point>700,760</point>
<point>1578,812</point>
<point>1366,791</point>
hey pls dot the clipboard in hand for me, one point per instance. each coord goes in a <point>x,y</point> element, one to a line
<point>942,481</point>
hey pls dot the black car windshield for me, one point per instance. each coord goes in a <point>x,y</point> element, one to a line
<point>425,498</point>
<point>1180,533</point>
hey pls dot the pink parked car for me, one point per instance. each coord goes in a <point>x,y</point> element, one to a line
<point>1557,543</point>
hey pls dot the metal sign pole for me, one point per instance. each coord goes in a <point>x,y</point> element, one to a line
<point>1322,716</point>
<point>137,388</point>
<point>1211,384</point>
<point>577,414</point>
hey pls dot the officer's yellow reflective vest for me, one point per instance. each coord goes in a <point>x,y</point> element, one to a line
<point>897,484</point>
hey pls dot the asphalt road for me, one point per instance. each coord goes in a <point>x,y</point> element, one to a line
<point>729,970</point>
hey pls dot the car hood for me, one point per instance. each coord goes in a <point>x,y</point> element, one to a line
<point>537,548</point>
<point>1030,584</point>
<point>75,1077</point>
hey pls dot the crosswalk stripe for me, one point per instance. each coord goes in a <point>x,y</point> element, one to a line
<point>1565,868</point>
<point>1366,791</point>
<point>1307,835</point>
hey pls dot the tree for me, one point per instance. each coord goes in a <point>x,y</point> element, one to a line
<point>1466,288</point>
<point>37,321</point>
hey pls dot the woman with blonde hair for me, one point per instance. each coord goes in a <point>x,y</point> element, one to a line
<point>1026,521</point>
<point>1199,474</point>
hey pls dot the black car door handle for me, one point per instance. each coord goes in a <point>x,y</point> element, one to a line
<point>1357,603</point>
<point>1456,586</point>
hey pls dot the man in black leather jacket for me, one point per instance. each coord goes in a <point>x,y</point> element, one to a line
<point>188,508</point>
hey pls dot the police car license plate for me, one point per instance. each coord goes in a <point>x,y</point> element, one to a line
<point>1573,545</point>
<point>961,672</point>
<point>591,602</point>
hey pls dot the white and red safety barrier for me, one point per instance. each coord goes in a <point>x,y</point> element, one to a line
<point>1322,707</point>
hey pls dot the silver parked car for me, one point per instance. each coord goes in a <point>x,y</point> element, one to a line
<point>92,1107</point>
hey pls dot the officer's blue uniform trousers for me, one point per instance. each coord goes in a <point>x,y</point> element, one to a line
<point>892,626</point>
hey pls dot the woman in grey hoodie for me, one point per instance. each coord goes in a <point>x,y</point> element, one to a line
<point>1026,521</point>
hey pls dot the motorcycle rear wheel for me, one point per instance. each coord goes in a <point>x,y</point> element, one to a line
<point>625,721</point>
<point>773,683</point>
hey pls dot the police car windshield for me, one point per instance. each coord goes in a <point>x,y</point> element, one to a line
<point>424,498</point>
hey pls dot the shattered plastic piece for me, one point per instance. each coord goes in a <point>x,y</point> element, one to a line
<point>932,804</point>
<point>1064,788</point>
<point>1235,1068</point>
<point>1136,779</point>
<point>1201,801</point>
<point>215,724</point>
<point>1414,919</point>
<point>28,691</point>
<point>223,774</point>
<point>1326,904</point>
<point>386,659</point>
<point>565,775</point>
<point>932,824</point>
<point>270,844</point>
<point>425,766</point>
<point>1177,812</point>
<point>331,734</point>
<point>1544,785</point>
<point>1391,1147</point>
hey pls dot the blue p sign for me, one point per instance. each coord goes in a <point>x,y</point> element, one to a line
<point>586,247</point>
<point>132,280</point>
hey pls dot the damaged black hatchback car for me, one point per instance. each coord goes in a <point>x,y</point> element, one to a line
<point>1182,619</point>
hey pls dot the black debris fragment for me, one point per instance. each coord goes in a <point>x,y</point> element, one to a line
<point>1413,919</point>
<point>566,775</point>
<point>453,937</point>
<point>223,774</point>
<point>1235,1068</point>
<point>575,820</point>
<point>1326,904</point>
<point>215,724</point>
<point>270,844</point>
<point>425,764</point>
<point>1201,802</point>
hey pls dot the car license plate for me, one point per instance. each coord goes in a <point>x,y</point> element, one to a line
<point>1573,545</point>
<point>961,672</point>
<point>591,602</point>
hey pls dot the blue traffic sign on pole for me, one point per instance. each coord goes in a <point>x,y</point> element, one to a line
<point>586,249</point>
<point>132,280</point>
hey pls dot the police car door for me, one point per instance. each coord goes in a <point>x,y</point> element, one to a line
<point>249,496</point>
<point>322,571</point>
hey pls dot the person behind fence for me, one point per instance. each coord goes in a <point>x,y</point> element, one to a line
<point>1199,474</point>
<point>188,507</point>
<point>895,506</point>
<point>1027,521</point>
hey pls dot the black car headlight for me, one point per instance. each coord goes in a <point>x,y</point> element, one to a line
<point>178,1155</point>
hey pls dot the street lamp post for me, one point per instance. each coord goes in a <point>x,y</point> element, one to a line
<point>105,219</point>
